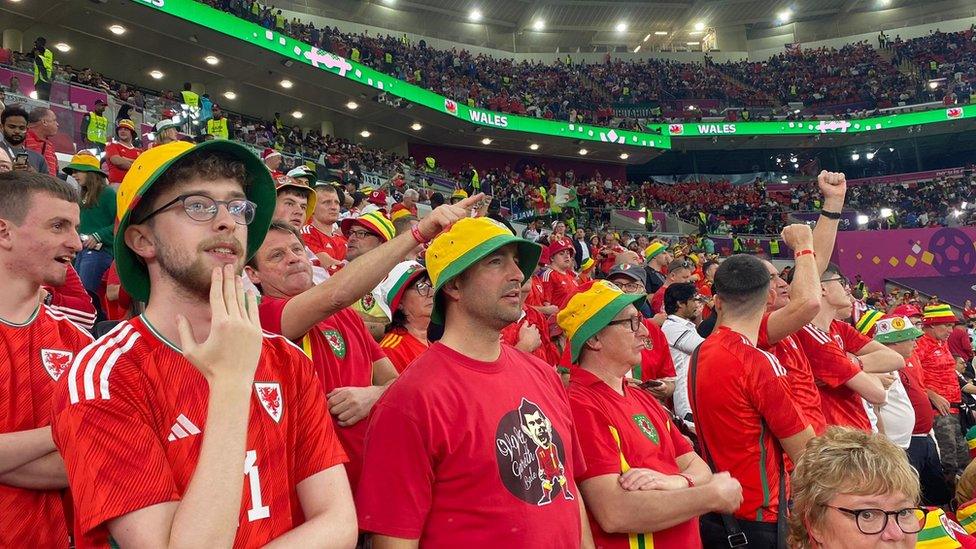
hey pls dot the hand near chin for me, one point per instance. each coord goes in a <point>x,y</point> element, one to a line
<point>232,349</point>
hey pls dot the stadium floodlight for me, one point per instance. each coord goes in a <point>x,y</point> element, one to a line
<point>365,134</point>
<point>862,219</point>
<point>117,30</point>
<point>621,27</point>
<point>855,157</point>
<point>660,33</point>
<point>700,26</point>
<point>62,47</point>
<point>784,15</point>
<point>475,15</point>
<point>886,212</point>
<point>212,59</point>
<point>297,114</point>
<point>539,24</point>
<point>158,75</point>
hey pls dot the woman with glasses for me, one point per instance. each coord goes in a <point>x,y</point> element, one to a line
<point>854,490</point>
<point>407,298</point>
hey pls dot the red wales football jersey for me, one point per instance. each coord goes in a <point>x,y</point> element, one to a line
<point>130,417</point>
<point>36,354</point>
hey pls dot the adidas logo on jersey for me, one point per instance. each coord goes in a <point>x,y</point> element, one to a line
<point>182,428</point>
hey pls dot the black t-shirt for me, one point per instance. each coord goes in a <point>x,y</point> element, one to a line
<point>654,280</point>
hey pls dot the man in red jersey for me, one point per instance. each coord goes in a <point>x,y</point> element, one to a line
<point>745,416</point>
<point>942,386</point>
<point>559,281</point>
<point>321,235</point>
<point>38,238</point>
<point>643,484</point>
<point>121,152</point>
<point>352,367</point>
<point>188,424</point>
<point>532,332</point>
<point>448,462</point>
<point>679,270</point>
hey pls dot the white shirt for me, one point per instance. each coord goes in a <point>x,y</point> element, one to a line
<point>683,339</point>
<point>898,415</point>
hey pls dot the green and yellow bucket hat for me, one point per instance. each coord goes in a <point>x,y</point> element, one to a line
<point>84,161</point>
<point>467,242</point>
<point>147,169</point>
<point>589,311</point>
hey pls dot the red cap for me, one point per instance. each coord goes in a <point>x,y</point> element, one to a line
<point>906,310</point>
<point>377,197</point>
<point>268,153</point>
<point>558,245</point>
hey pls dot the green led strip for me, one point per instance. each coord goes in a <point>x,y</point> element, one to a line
<point>235,27</point>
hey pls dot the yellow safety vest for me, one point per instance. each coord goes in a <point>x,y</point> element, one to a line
<point>773,247</point>
<point>218,128</point>
<point>191,99</point>
<point>431,163</point>
<point>355,54</point>
<point>97,128</point>
<point>48,61</point>
<point>388,57</point>
<point>475,181</point>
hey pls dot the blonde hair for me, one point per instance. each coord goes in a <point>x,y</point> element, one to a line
<point>845,461</point>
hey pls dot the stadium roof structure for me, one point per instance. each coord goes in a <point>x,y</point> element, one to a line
<point>586,25</point>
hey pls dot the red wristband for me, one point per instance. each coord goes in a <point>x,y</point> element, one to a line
<point>691,481</point>
<point>802,253</point>
<point>417,235</point>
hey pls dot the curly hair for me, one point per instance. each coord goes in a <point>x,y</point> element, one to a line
<point>845,461</point>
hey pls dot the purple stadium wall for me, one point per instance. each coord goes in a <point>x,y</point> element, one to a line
<point>906,253</point>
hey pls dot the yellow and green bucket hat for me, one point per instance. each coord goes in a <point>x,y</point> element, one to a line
<point>146,170</point>
<point>653,250</point>
<point>467,242</point>
<point>589,311</point>
<point>375,222</point>
<point>84,161</point>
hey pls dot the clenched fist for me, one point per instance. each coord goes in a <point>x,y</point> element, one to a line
<point>798,236</point>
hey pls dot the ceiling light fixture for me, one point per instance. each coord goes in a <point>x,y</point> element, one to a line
<point>475,15</point>
<point>62,47</point>
<point>158,75</point>
<point>486,141</point>
<point>700,26</point>
<point>117,30</point>
<point>297,114</point>
<point>365,133</point>
<point>230,95</point>
<point>646,38</point>
<point>539,24</point>
<point>621,27</point>
<point>534,146</point>
<point>352,105</point>
<point>583,152</point>
<point>212,59</point>
<point>624,156</point>
<point>637,49</point>
<point>416,126</point>
<point>287,84</point>
<point>784,15</point>
<point>660,33</point>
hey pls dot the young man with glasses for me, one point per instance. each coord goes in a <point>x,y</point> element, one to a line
<point>644,486</point>
<point>846,365</point>
<point>351,366</point>
<point>183,425</point>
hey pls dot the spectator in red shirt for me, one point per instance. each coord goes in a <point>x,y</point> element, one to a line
<point>679,270</point>
<point>559,281</point>
<point>121,152</point>
<point>473,423</point>
<point>532,332</point>
<point>321,235</point>
<point>744,412</point>
<point>968,311</point>
<point>942,385</point>
<point>42,125</point>
<point>643,482</point>
<point>960,345</point>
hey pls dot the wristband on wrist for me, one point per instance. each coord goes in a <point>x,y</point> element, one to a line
<point>417,235</point>
<point>830,215</point>
<point>802,253</point>
<point>691,481</point>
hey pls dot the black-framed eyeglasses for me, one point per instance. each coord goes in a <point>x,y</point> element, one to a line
<point>631,287</point>
<point>424,288</point>
<point>873,521</point>
<point>199,207</point>
<point>842,280</point>
<point>358,233</point>
<point>635,322</point>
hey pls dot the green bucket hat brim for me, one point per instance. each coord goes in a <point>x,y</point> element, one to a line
<point>71,168</point>
<point>599,321</point>
<point>898,337</point>
<point>259,188</point>
<point>528,256</point>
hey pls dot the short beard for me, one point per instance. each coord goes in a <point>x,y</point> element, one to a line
<point>12,140</point>
<point>193,277</point>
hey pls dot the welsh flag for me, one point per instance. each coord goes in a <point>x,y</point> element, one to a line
<point>566,197</point>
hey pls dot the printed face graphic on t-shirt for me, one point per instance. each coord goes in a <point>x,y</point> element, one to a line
<point>530,455</point>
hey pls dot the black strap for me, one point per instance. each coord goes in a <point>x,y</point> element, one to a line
<point>736,537</point>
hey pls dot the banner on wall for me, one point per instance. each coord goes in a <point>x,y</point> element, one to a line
<point>906,253</point>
